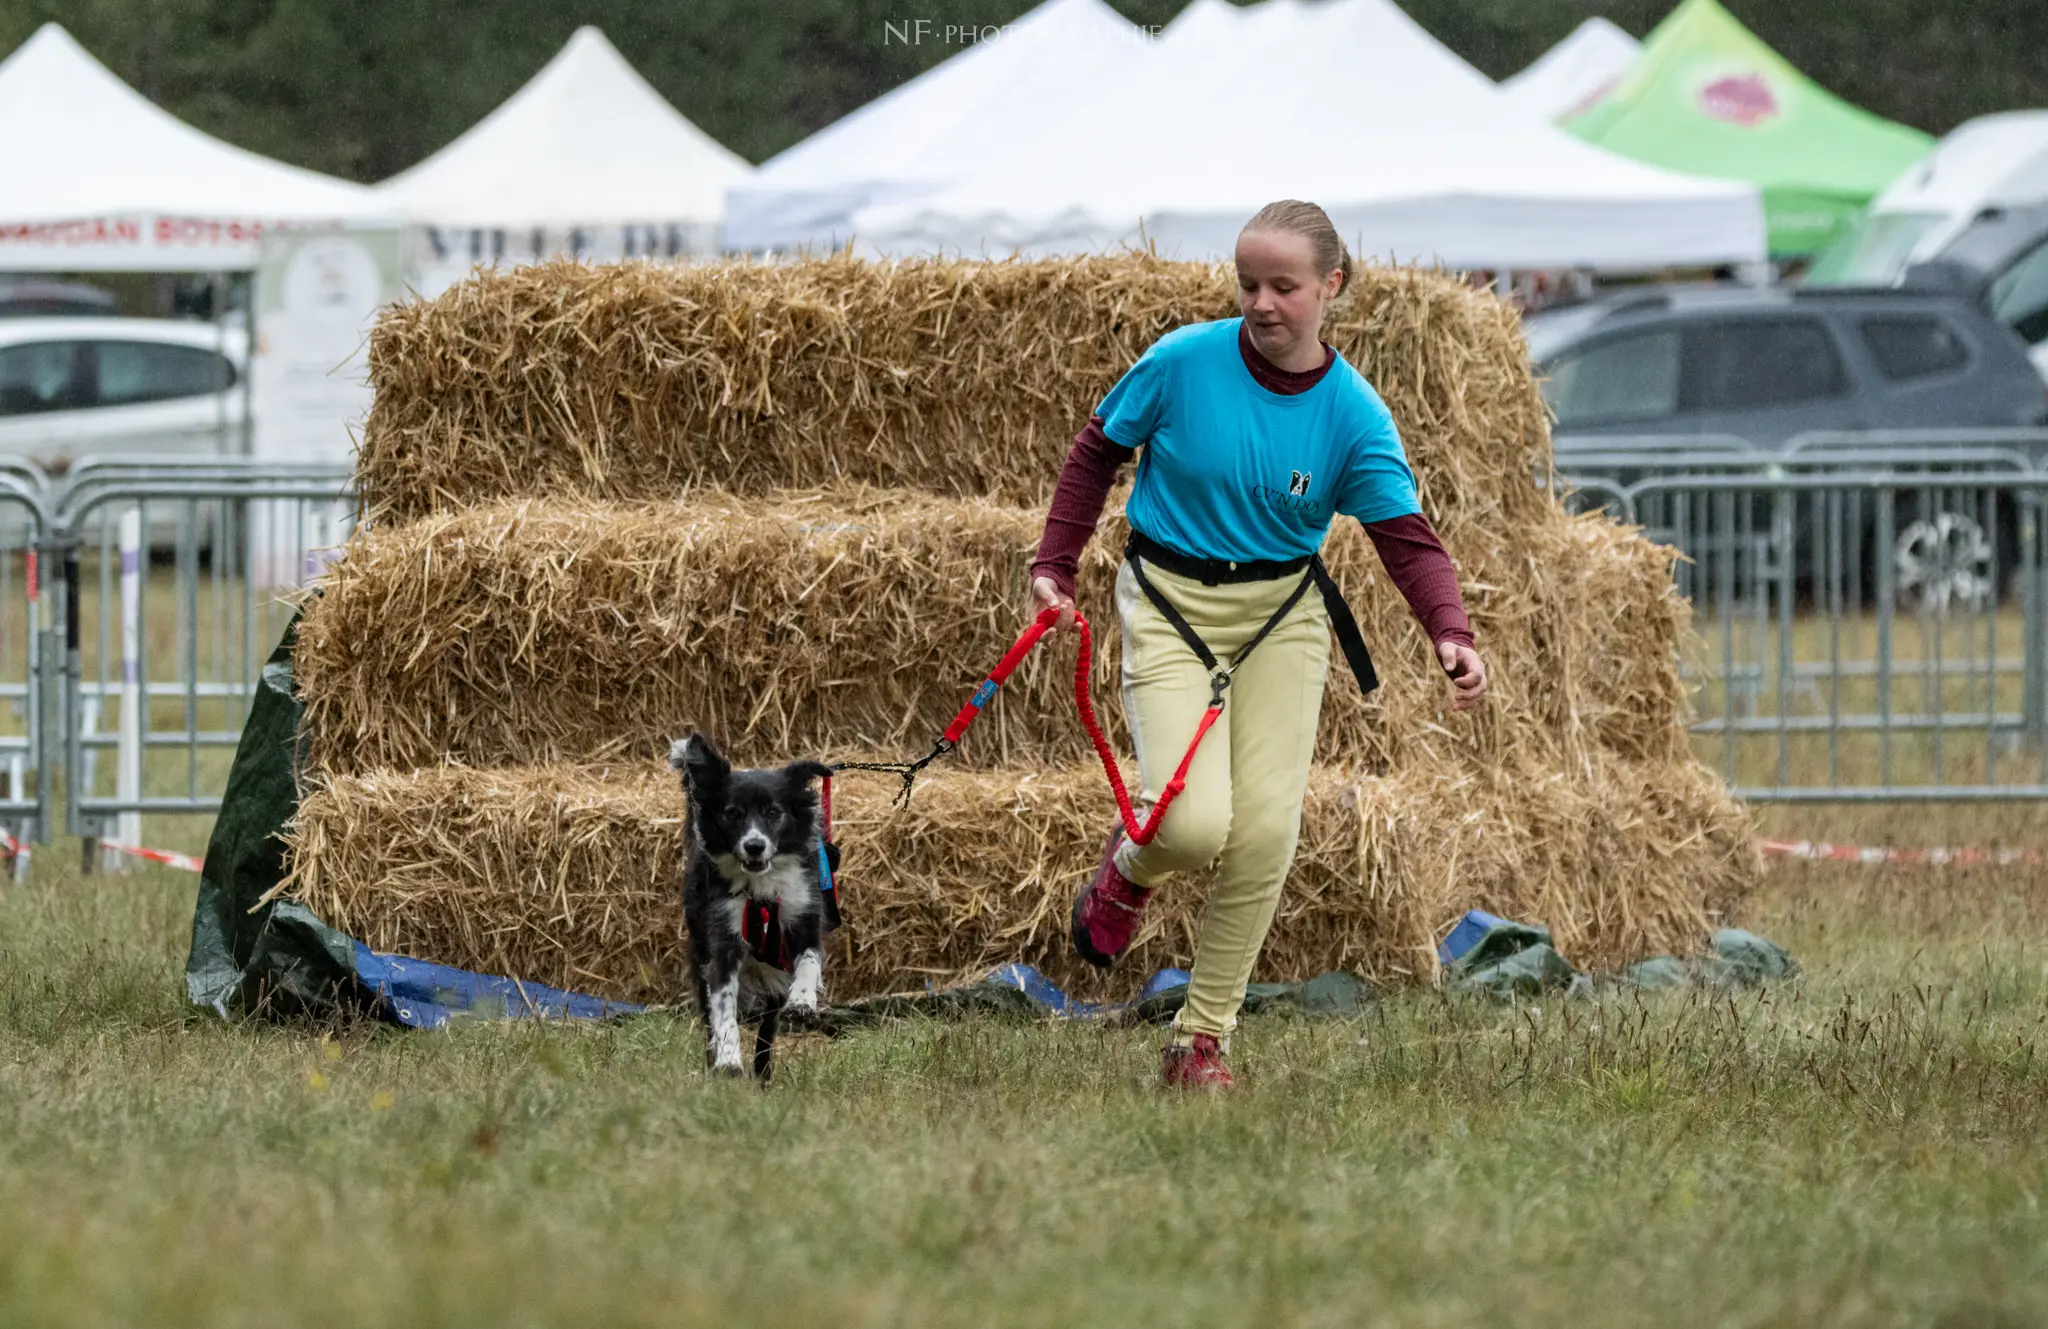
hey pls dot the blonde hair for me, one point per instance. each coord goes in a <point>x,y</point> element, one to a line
<point>1295,217</point>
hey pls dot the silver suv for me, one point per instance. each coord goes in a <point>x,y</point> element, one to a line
<point>1765,365</point>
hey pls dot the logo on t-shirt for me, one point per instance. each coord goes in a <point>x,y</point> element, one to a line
<point>1294,500</point>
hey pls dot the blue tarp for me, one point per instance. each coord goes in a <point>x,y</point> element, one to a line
<point>1055,1002</point>
<point>422,995</point>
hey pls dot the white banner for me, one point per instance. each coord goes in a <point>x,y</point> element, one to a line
<point>440,256</point>
<point>131,243</point>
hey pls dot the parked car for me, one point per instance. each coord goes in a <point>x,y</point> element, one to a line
<point>73,387</point>
<point>54,298</point>
<point>1766,365</point>
<point>1999,260</point>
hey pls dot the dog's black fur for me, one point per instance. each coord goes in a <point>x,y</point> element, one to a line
<point>754,834</point>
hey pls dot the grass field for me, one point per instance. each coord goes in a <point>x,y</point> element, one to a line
<point>1867,1145</point>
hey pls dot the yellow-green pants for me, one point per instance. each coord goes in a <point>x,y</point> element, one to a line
<point>1241,808</point>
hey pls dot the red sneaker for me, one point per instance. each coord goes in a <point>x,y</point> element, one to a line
<point>1199,1065</point>
<point>1106,915</point>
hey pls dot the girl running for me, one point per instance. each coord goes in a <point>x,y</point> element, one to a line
<point>1252,434</point>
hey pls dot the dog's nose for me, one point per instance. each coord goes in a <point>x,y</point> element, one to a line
<point>755,847</point>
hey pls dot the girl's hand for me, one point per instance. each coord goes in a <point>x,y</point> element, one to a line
<point>1045,595</point>
<point>1467,671</point>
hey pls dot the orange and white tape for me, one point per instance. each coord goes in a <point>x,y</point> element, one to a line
<point>164,856</point>
<point>1884,854</point>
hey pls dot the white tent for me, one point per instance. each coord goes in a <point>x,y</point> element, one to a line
<point>1573,74</point>
<point>587,142</point>
<point>1346,102</point>
<point>94,177</point>
<point>936,129</point>
<point>1991,161</point>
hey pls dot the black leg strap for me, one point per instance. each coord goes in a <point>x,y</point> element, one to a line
<point>1194,639</point>
<point>1286,608</point>
<point>1349,639</point>
<point>1173,616</point>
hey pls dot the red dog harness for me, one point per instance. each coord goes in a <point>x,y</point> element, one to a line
<point>1219,682</point>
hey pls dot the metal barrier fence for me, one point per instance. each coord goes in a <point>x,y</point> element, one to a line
<point>139,598</point>
<point>235,547</point>
<point>1870,606</point>
<point>1871,611</point>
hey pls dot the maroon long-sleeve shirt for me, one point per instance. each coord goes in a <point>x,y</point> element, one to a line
<point>1408,546</point>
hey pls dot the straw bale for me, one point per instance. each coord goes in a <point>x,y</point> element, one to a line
<point>636,382</point>
<point>570,876</point>
<point>853,623</point>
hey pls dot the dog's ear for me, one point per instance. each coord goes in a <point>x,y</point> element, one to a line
<point>699,761</point>
<point>803,772</point>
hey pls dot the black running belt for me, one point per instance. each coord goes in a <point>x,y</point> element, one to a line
<point>1342,622</point>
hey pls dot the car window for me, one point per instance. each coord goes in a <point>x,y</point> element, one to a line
<point>1743,364</point>
<point>1874,252</point>
<point>1553,330</point>
<point>41,376</point>
<point>136,371</point>
<point>1633,377</point>
<point>2019,295</point>
<point>1909,346</point>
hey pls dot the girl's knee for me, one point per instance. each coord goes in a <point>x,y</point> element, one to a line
<point>1262,844</point>
<point>1191,838</point>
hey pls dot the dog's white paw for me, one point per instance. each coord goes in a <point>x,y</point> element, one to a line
<point>804,982</point>
<point>724,1016</point>
<point>728,1070</point>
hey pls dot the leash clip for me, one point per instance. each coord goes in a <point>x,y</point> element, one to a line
<point>1219,683</point>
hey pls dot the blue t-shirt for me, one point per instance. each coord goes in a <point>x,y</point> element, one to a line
<point>1234,470</point>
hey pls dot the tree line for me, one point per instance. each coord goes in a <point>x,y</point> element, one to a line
<point>365,88</point>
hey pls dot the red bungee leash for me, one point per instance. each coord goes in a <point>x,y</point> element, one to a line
<point>1219,681</point>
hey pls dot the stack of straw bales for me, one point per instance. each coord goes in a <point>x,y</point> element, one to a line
<point>794,505</point>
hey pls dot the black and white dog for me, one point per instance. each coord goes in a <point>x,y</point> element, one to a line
<point>753,897</point>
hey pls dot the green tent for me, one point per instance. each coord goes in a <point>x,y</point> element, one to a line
<point>1706,97</point>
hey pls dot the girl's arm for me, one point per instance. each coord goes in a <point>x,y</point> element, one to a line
<point>1420,569</point>
<point>1418,566</point>
<point>1077,502</point>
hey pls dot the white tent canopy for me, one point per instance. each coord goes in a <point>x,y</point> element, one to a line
<point>95,177</point>
<point>1993,160</point>
<point>587,141</point>
<point>1574,73</point>
<point>936,129</point>
<point>1347,102</point>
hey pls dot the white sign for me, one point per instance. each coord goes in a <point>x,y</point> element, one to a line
<point>317,293</point>
<point>133,243</point>
<point>440,256</point>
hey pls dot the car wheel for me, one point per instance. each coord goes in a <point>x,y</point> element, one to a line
<point>1943,560</point>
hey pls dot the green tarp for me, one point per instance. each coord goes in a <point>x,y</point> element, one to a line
<point>1707,97</point>
<point>275,958</point>
<point>1516,960</point>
